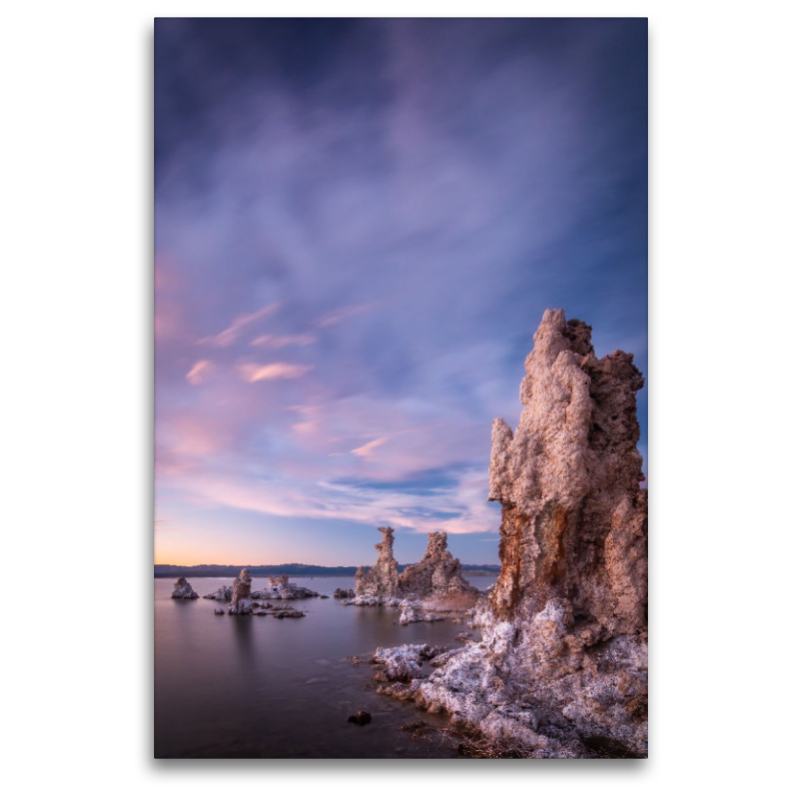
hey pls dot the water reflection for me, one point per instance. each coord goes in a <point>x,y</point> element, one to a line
<point>243,637</point>
<point>258,687</point>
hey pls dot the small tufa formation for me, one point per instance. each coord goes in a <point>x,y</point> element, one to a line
<point>561,670</point>
<point>286,612</point>
<point>240,598</point>
<point>416,611</point>
<point>280,589</point>
<point>382,580</point>
<point>434,584</point>
<point>183,590</point>
<point>222,594</point>
<point>437,574</point>
<point>344,594</point>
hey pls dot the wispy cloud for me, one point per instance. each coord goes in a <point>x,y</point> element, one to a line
<point>366,450</point>
<point>199,372</point>
<point>270,372</point>
<point>227,337</point>
<point>341,314</point>
<point>412,198</point>
<point>275,342</point>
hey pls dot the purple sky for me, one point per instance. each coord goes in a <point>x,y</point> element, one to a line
<point>358,227</point>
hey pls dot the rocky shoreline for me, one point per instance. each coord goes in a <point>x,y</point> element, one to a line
<point>561,668</point>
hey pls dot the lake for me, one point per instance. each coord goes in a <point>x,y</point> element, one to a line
<point>260,687</point>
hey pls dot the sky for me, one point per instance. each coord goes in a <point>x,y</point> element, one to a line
<point>358,227</point>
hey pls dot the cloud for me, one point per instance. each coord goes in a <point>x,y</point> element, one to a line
<point>270,372</point>
<point>457,513</point>
<point>403,204</point>
<point>341,314</point>
<point>274,342</point>
<point>199,372</point>
<point>232,332</point>
<point>366,450</point>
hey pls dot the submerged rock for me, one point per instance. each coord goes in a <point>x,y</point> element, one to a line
<point>287,612</point>
<point>183,590</point>
<point>360,718</point>
<point>241,602</point>
<point>418,727</point>
<point>563,659</point>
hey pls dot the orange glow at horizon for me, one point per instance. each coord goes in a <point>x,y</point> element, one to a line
<point>188,547</point>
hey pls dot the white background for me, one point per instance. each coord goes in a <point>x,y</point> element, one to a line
<point>76,317</point>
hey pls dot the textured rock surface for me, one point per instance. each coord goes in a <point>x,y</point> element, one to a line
<point>286,612</point>
<point>382,580</point>
<point>438,573</point>
<point>403,663</point>
<point>183,590</point>
<point>414,611</point>
<point>280,589</point>
<point>561,670</point>
<point>240,597</point>
<point>436,581</point>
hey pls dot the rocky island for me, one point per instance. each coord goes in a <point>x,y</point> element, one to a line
<point>561,668</point>
<point>183,590</point>
<point>280,589</point>
<point>434,584</point>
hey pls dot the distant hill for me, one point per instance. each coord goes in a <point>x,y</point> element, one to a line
<point>231,571</point>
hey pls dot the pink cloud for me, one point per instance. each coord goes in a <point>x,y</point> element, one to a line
<point>199,372</point>
<point>366,450</point>
<point>231,333</point>
<point>269,372</point>
<point>274,342</point>
<point>468,505</point>
<point>182,442</point>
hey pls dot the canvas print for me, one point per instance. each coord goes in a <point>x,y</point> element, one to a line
<point>400,388</point>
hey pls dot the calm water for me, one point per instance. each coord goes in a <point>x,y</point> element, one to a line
<point>259,687</point>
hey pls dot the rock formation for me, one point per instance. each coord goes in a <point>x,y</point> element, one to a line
<point>287,612</point>
<point>562,667</point>
<point>438,573</point>
<point>223,593</point>
<point>345,594</point>
<point>240,597</point>
<point>183,590</point>
<point>435,583</point>
<point>382,580</point>
<point>404,662</point>
<point>280,589</point>
<point>416,611</point>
